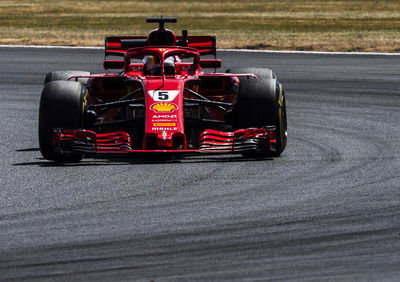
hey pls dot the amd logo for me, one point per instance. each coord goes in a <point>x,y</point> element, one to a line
<point>165,116</point>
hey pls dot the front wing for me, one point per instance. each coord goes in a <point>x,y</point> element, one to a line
<point>119,143</point>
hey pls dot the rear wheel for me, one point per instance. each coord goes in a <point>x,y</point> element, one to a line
<point>64,75</point>
<point>261,102</point>
<point>61,106</point>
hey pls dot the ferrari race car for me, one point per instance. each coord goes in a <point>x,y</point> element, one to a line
<point>158,94</point>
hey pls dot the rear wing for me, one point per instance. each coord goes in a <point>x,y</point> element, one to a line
<point>117,45</point>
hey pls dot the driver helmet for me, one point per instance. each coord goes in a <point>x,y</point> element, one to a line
<point>152,65</point>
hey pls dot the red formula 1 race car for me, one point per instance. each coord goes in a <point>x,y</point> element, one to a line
<point>162,97</point>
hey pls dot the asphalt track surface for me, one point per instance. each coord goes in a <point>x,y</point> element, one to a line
<point>328,209</point>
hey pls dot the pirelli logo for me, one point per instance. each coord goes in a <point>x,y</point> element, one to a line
<point>164,124</point>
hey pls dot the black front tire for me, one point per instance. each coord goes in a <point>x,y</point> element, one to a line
<point>261,102</point>
<point>61,106</point>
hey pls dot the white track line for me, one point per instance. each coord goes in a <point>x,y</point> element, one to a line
<point>310,52</point>
<point>224,50</point>
<point>51,47</point>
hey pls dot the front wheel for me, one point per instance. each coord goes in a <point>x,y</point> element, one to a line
<point>61,106</point>
<point>261,102</point>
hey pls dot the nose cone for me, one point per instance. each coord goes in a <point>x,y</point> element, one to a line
<point>164,125</point>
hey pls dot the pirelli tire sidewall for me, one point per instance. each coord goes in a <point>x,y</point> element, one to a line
<point>261,102</point>
<point>281,123</point>
<point>62,105</point>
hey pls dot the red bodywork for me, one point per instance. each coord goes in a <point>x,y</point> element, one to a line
<point>179,110</point>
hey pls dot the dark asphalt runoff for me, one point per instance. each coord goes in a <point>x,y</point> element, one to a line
<point>327,210</point>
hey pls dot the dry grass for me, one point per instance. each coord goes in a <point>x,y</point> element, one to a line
<point>292,25</point>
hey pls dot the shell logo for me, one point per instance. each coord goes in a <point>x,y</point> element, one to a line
<point>163,107</point>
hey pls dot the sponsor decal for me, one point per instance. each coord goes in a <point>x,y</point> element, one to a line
<point>163,107</point>
<point>163,120</point>
<point>163,95</point>
<point>164,128</point>
<point>164,124</point>
<point>164,116</point>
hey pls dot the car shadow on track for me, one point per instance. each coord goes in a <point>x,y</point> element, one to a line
<point>141,160</point>
<point>28,150</point>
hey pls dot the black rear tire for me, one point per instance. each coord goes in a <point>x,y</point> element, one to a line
<point>261,102</point>
<point>64,75</point>
<point>61,106</point>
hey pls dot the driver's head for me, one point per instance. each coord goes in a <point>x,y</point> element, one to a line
<point>151,65</point>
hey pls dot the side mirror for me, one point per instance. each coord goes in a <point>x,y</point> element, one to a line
<point>210,64</point>
<point>137,67</point>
